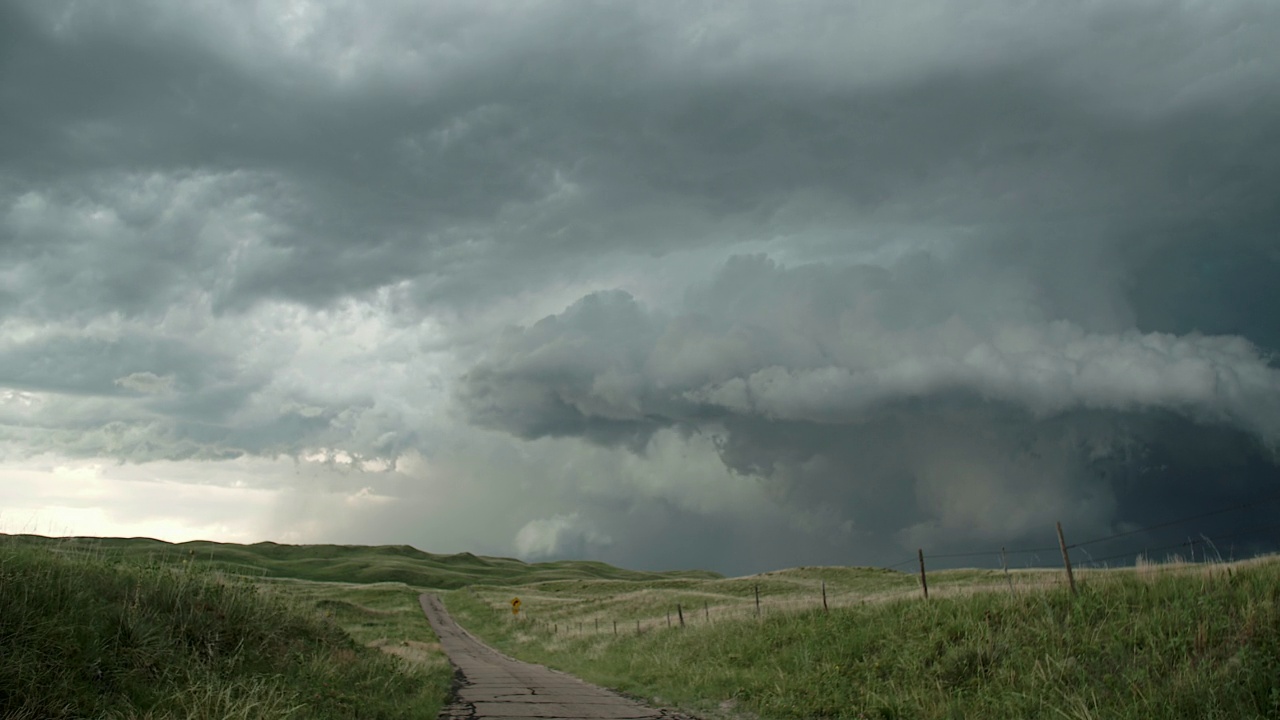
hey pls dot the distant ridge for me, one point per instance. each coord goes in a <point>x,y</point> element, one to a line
<point>350,563</point>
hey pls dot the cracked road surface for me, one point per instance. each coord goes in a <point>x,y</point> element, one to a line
<point>495,686</point>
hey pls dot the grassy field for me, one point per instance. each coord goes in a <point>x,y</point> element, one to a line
<point>86,637</point>
<point>1168,641</point>
<point>385,616</point>
<point>136,628</point>
<point>143,629</point>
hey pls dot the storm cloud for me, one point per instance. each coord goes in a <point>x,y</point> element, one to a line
<point>966,412</point>
<point>639,279</point>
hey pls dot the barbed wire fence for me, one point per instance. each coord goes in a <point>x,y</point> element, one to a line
<point>1145,553</point>
<point>1093,556</point>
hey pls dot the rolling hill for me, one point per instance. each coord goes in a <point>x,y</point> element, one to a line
<point>348,563</point>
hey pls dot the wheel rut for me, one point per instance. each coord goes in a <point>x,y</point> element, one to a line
<point>488,684</point>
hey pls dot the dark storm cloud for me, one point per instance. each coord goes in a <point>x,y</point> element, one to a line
<point>560,132</point>
<point>926,404</point>
<point>578,374</point>
<point>830,343</point>
<point>1008,241</point>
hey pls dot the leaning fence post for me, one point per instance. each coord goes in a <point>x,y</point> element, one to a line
<point>1066,559</point>
<point>615,627</point>
<point>680,612</point>
<point>824,596</point>
<point>924,584</point>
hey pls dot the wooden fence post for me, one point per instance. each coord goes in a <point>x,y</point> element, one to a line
<point>1004,563</point>
<point>706,612</point>
<point>757,599</point>
<point>668,618</point>
<point>680,612</point>
<point>637,627</point>
<point>615,627</point>
<point>1066,559</point>
<point>924,584</point>
<point>824,597</point>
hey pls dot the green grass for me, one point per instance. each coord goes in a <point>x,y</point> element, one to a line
<point>139,628</point>
<point>84,635</point>
<point>143,629</point>
<point>386,616</point>
<point>345,563</point>
<point>1153,642</point>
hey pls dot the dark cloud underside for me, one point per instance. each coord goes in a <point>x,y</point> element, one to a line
<point>935,274</point>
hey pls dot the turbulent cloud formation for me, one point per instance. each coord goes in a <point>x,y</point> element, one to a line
<point>651,283</point>
<point>558,536</point>
<point>914,414</point>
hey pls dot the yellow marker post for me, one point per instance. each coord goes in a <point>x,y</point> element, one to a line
<point>515,606</point>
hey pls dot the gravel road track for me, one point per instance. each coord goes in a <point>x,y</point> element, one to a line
<point>496,686</point>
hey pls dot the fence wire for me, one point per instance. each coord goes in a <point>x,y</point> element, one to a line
<point>1091,568</point>
<point>1191,543</point>
<point>1181,521</point>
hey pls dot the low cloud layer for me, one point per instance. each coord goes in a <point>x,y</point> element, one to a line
<point>909,414</point>
<point>860,277</point>
<point>826,344</point>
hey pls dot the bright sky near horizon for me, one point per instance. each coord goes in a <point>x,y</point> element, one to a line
<point>733,285</point>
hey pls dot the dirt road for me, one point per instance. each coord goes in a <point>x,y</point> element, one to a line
<point>495,686</point>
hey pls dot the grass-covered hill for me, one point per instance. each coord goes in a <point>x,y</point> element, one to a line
<point>137,628</point>
<point>82,636</point>
<point>140,628</point>
<point>349,563</point>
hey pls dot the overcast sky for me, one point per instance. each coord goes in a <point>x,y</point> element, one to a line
<point>733,285</point>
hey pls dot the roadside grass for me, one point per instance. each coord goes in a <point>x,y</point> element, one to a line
<point>343,563</point>
<point>385,616</point>
<point>1152,641</point>
<point>83,634</point>
<point>569,602</point>
<point>140,628</point>
<point>143,629</point>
